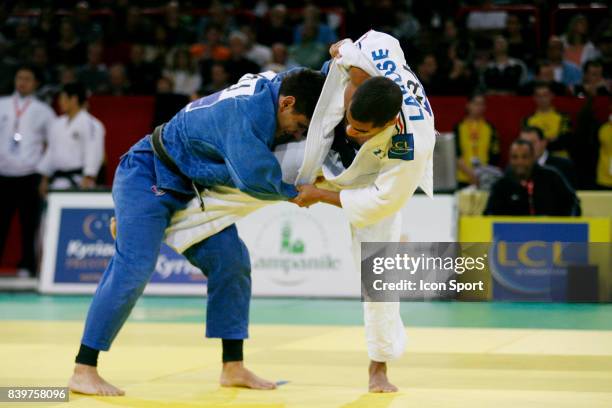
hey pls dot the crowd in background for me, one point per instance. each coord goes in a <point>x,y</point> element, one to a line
<point>180,50</point>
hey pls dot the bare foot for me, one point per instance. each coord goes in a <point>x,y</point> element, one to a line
<point>378,378</point>
<point>86,380</point>
<point>234,374</point>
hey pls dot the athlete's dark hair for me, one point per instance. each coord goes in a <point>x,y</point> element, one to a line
<point>378,100</point>
<point>533,129</point>
<point>305,86</point>
<point>75,89</point>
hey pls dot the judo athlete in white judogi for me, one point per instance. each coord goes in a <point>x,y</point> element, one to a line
<point>75,149</point>
<point>389,161</point>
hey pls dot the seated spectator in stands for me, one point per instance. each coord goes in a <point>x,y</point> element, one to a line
<point>179,28</point>
<point>555,125</point>
<point>220,79</point>
<point>280,59</point>
<point>605,47</point>
<point>427,72</point>
<point>566,72</point>
<point>184,73</point>
<point>309,52</point>
<point>75,150</point>
<point>141,74</point>
<point>167,102</point>
<point>276,28</point>
<point>39,58</point>
<point>160,52</point>
<point>20,47</point>
<point>604,164</point>
<point>69,49</point>
<point>220,15</point>
<point>545,73</point>
<point>94,74</point>
<point>86,29</point>
<point>476,142</point>
<point>564,166</point>
<point>520,41</point>
<point>457,76</point>
<point>593,82</point>
<point>504,74</point>
<point>259,54</point>
<point>118,83</point>
<point>530,189</point>
<point>578,49</point>
<point>323,33</point>
<point>239,64</point>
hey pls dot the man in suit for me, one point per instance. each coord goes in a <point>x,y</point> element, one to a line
<point>536,137</point>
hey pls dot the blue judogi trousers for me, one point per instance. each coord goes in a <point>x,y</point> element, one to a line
<point>143,213</point>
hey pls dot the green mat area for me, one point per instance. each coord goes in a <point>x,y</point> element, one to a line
<point>29,306</point>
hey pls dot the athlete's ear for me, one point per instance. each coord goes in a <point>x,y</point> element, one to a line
<point>286,102</point>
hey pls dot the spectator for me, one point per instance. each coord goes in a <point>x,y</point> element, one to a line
<point>24,127</point>
<point>39,58</point>
<point>578,48</point>
<point>238,64</point>
<point>323,33</point>
<point>427,72</point>
<point>555,125</point>
<point>184,73</point>
<point>160,51</point>
<point>280,59</point>
<point>276,29</point>
<point>545,73</point>
<point>520,45</point>
<point>141,74</point>
<point>220,78</point>
<point>133,28</point>
<point>565,71</point>
<point>605,47</point>
<point>94,74</point>
<point>75,149</point>
<point>259,54</point>
<point>87,30</point>
<point>118,84</point>
<point>309,52</point>
<point>604,164</point>
<point>504,74</point>
<point>564,166</point>
<point>593,82</point>
<point>167,103</point>
<point>530,189</point>
<point>210,51</point>
<point>457,77</point>
<point>178,28</point>
<point>21,46</point>
<point>476,142</point>
<point>69,50</point>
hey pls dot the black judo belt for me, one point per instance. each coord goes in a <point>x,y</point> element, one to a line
<point>161,153</point>
<point>69,175</point>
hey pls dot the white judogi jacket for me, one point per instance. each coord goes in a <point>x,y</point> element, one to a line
<point>76,143</point>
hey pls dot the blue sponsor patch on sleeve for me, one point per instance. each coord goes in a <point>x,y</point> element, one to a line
<point>402,147</point>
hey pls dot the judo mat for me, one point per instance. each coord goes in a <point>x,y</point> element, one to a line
<point>459,354</point>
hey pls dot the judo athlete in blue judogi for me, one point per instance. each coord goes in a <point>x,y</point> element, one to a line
<point>223,139</point>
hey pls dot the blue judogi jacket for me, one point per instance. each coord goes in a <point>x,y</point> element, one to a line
<point>226,139</point>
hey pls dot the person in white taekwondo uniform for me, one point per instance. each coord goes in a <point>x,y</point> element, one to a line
<point>371,173</point>
<point>24,127</point>
<point>75,151</point>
